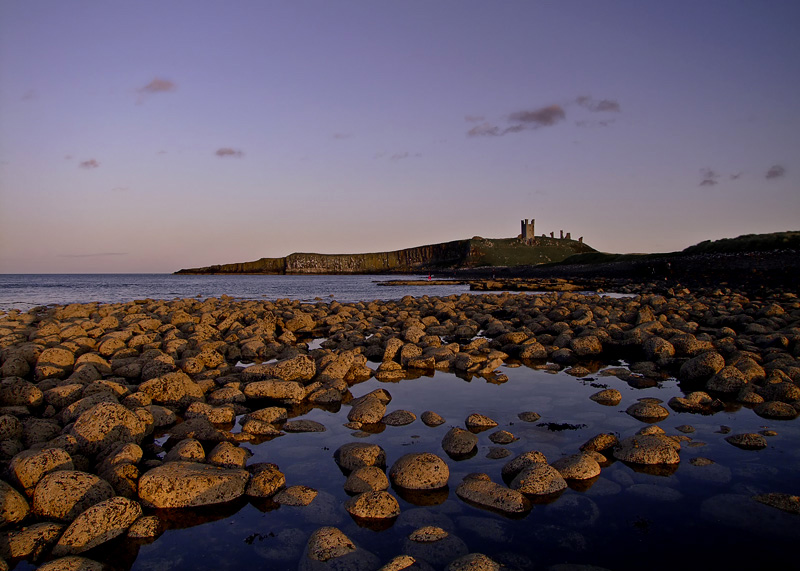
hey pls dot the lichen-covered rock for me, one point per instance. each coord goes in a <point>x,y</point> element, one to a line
<point>539,480</point>
<point>189,484</point>
<point>30,541</point>
<point>728,380</point>
<point>10,427</point>
<point>13,505</point>
<point>295,496</point>
<point>647,411</point>
<point>479,489</point>
<point>747,441</point>
<point>105,425</point>
<point>65,494</point>
<point>478,422</point>
<point>300,368</point>
<point>775,409</point>
<point>328,549</point>
<point>146,527</point>
<point>30,466</point>
<point>228,455</point>
<point>367,410</point>
<point>577,467</point>
<point>277,389</point>
<point>366,479</point>
<point>172,389</point>
<point>98,524</point>
<point>266,480</point>
<point>647,449</point>
<point>459,442</point>
<point>430,418</point>
<point>399,418</point>
<point>600,442</point>
<point>702,367</point>
<point>586,346</point>
<point>54,362</point>
<point>419,471</point>
<point>520,462</point>
<point>188,449</point>
<point>73,563</point>
<point>434,546</point>
<point>214,414</point>
<point>373,505</point>
<point>607,397</point>
<point>474,562</point>
<point>15,391</point>
<point>355,455</point>
<point>304,425</point>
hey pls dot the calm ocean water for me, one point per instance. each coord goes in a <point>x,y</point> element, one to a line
<point>24,291</point>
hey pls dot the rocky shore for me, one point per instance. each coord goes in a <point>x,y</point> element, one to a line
<point>111,414</point>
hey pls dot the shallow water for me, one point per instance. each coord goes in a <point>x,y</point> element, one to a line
<point>694,517</point>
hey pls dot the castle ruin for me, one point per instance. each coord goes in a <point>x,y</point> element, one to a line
<point>528,237</point>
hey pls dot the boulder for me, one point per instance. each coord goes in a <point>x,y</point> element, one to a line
<point>459,442</point>
<point>647,449</point>
<point>227,455</point>
<point>577,467</point>
<point>354,455</point>
<point>300,368</point>
<point>479,489</point>
<point>366,479</point>
<point>265,480</point>
<point>106,424</point>
<point>607,397</point>
<point>430,418</point>
<point>189,484</point>
<point>702,367</point>
<point>328,549</point>
<point>368,411</point>
<point>13,505</point>
<point>373,505</point>
<point>173,390</point>
<point>473,562</point>
<point>30,466</point>
<point>538,479</point>
<point>65,494</point>
<point>478,422</point>
<point>275,389</point>
<point>30,541</point>
<point>295,496</point>
<point>73,563</point>
<point>520,462</point>
<point>98,524</point>
<point>647,411</point>
<point>419,471</point>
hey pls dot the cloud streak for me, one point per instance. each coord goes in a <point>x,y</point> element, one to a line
<point>709,177</point>
<point>775,171</point>
<point>158,85</point>
<point>521,121</point>
<point>225,152</point>
<point>90,164</point>
<point>603,105</point>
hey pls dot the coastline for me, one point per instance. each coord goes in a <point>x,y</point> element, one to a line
<point>88,387</point>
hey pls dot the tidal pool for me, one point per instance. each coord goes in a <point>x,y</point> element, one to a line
<point>690,516</point>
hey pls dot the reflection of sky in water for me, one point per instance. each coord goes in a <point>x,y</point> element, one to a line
<point>689,519</point>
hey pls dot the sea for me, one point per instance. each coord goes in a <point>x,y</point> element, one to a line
<point>25,291</point>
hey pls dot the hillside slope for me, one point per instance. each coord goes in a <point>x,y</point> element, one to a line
<point>472,253</point>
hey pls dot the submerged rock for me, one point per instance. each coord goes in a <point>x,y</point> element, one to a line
<point>419,471</point>
<point>479,489</point>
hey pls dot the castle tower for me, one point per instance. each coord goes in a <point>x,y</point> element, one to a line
<point>527,232</point>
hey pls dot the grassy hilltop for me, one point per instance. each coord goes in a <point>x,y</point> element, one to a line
<point>476,252</point>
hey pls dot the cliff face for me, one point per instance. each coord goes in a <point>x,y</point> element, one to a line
<point>422,258</point>
<point>507,252</point>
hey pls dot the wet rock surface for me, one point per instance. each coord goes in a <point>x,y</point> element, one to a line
<point>109,413</point>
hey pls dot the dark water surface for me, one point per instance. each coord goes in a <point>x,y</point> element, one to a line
<point>24,291</point>
<point>695,517</point>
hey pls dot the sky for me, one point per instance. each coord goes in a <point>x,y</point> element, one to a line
<point>152,136</point>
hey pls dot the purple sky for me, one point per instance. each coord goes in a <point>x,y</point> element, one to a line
<point>152,136</point>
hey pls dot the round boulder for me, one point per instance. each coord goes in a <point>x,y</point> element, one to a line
<point>459,442</point>
<point>98,524</point>
<point>577,467</point>
<point>189,484</point>
<point>702,367</point>
<point>65,494</point>
<point>539,480</point>
<point>366,479</point>
<point>420,471</point>
<point>647,449</point>
<point>373,505</point>
<point>105,425</point>
<point>355,455</point>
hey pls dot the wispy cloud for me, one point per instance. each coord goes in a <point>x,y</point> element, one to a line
<point>607,105</point>
<point>95,255</point>
<point>595,124</point>
<point>709,177</point>
<point>736,176</point>
<point>521,121</point>
<point>158,85</point>
<point>775,171</point>
<point>229,152</point>
<point>90,164</point>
